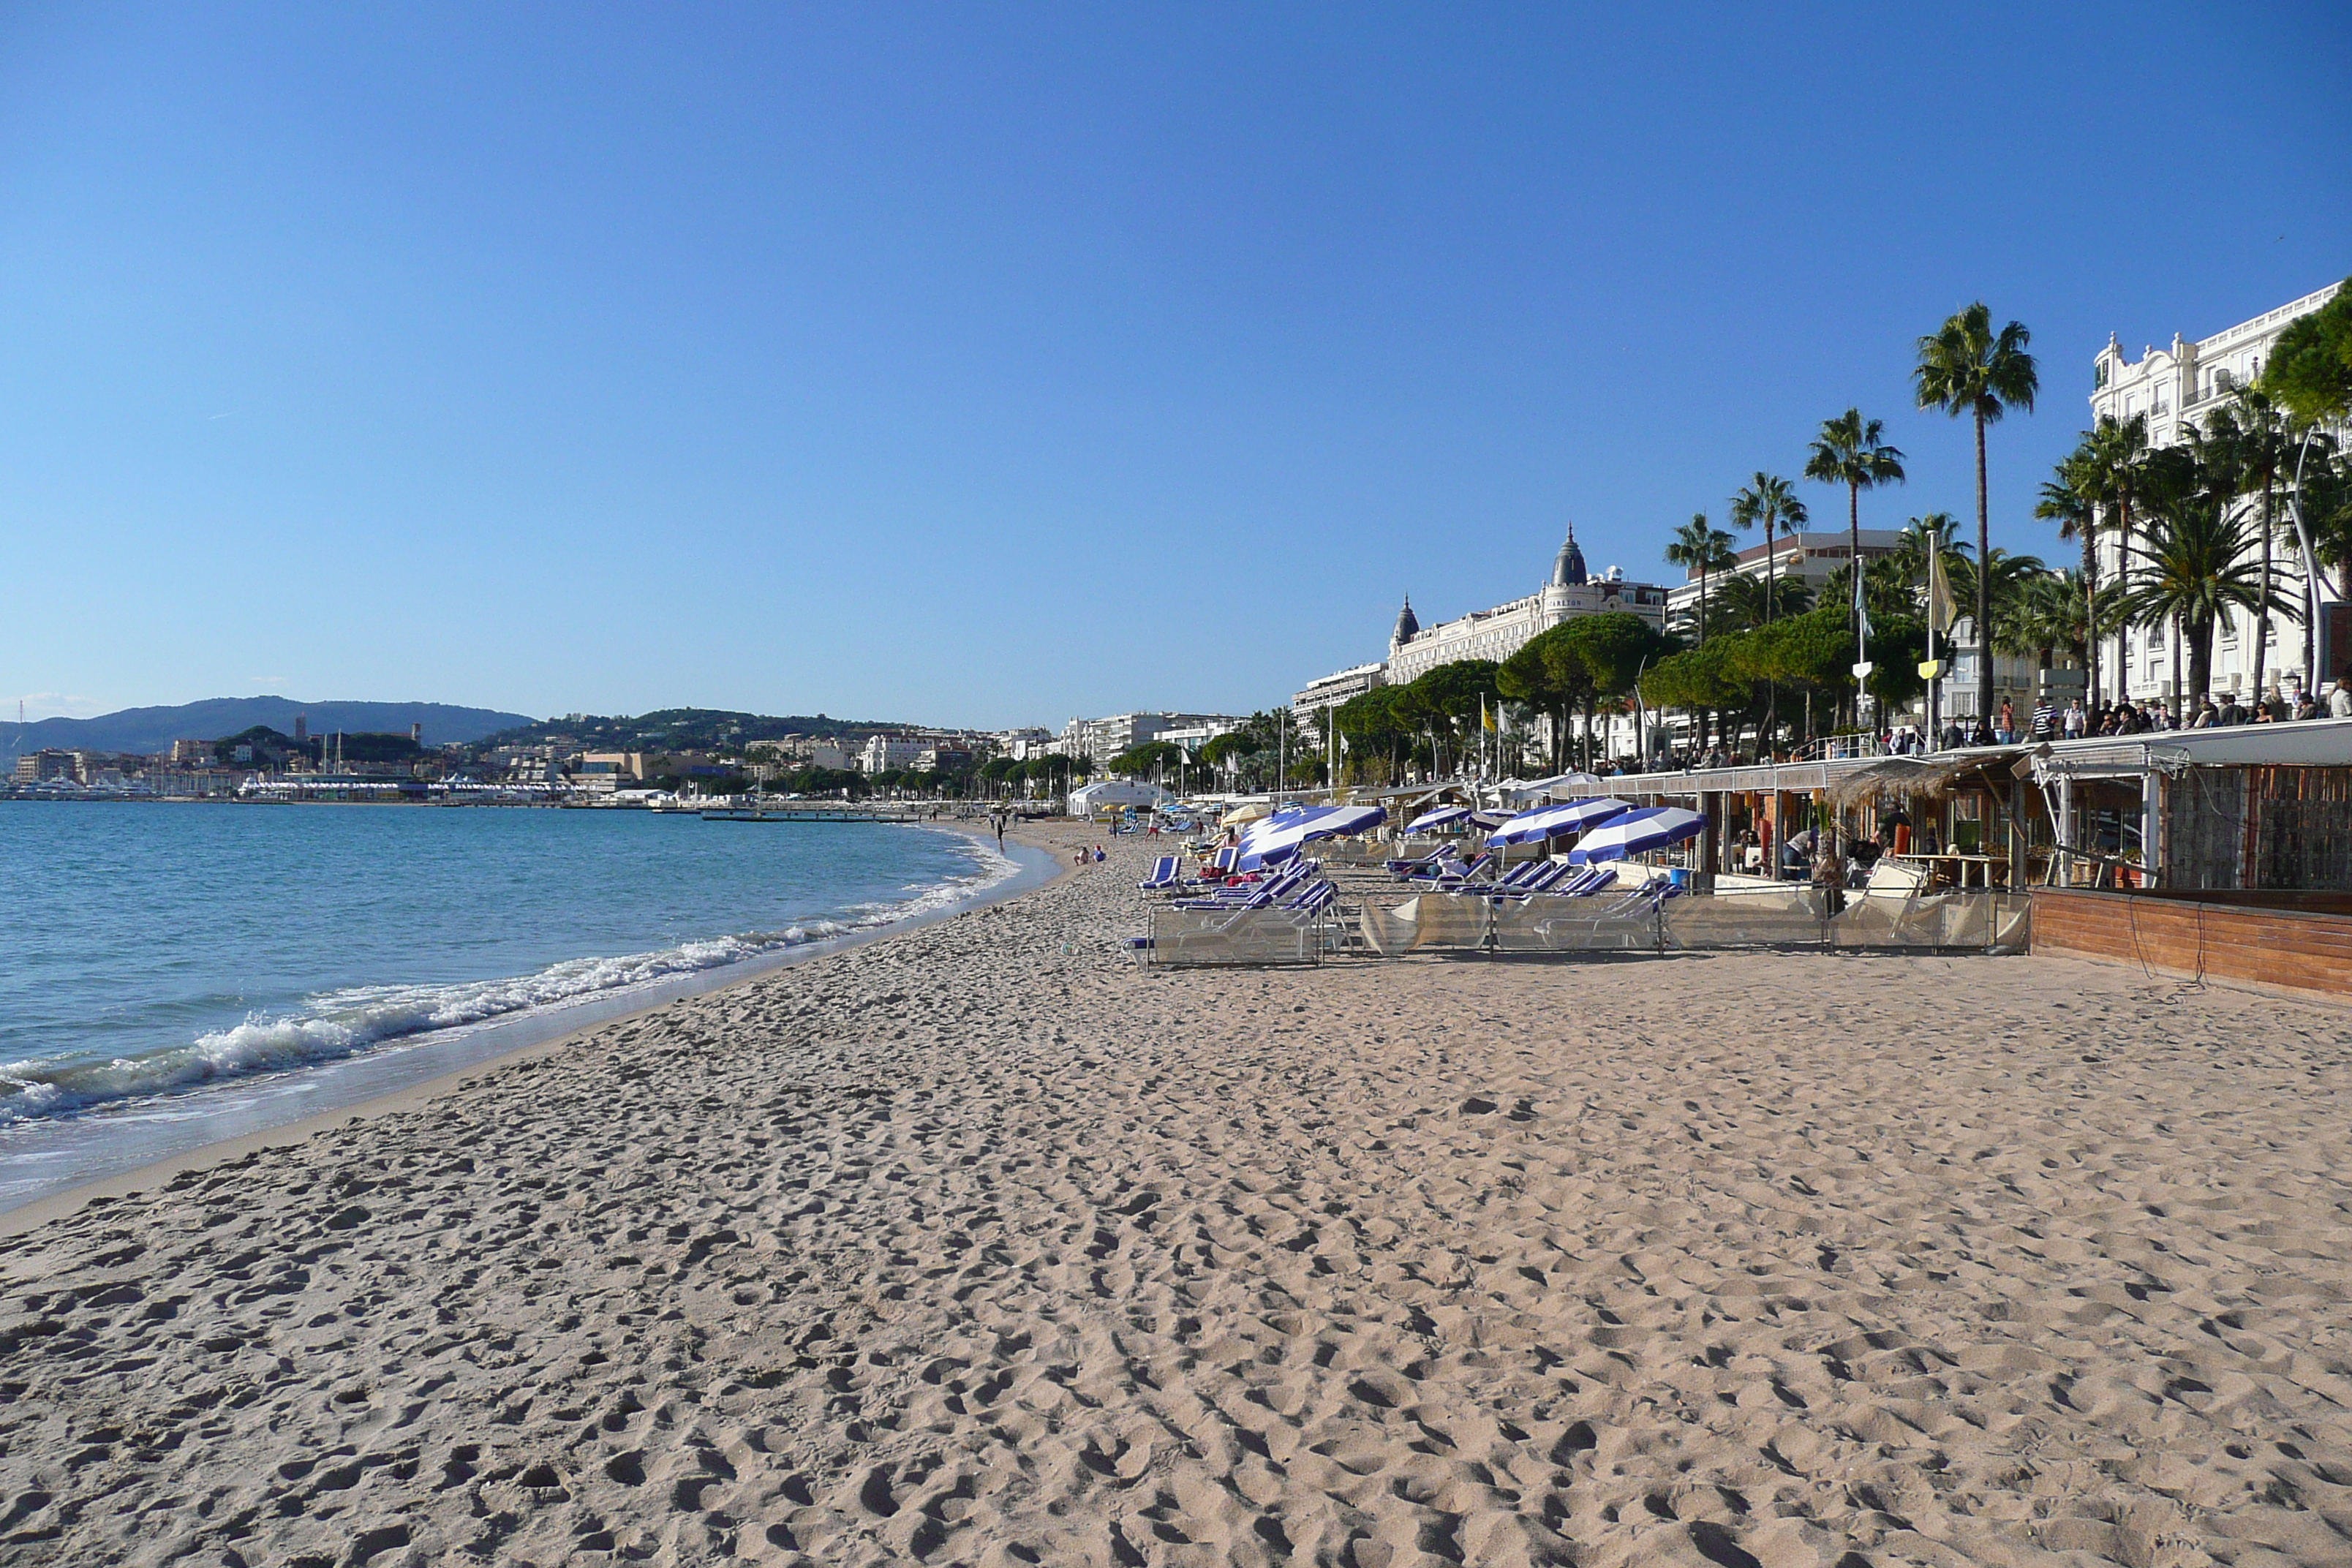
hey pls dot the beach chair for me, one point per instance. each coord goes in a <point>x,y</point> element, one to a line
<point>1460,877</point>
<point>1544,876</point>
<point>1407,868</point>
<point>1591,879</point>
<point>1254,895</point>
<point>1316,897</point>
<point>1164,874</point>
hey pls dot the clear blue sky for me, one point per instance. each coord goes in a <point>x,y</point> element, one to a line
<point>992,364</point>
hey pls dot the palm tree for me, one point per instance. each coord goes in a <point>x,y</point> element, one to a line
<point>2046,615</point>
<point>1850,451</point>
<point>1699,546</point>
<point>1772,502</point>
<point>1964,368</point>
<point>2193,573</point>
<point>2262,446</point>
<point>2112,458</point>
<point>2010,577</point>
<point>1738,604</point>
<point>2068,500</point>
<point>1922,536</point>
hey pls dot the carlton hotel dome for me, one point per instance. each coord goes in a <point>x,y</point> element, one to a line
<point>1497,634</point>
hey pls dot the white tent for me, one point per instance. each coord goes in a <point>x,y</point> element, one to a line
<point>1109,794</point>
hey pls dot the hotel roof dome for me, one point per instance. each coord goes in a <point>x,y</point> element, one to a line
<point>1568,572</point>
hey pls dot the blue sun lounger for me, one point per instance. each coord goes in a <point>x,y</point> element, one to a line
<point>1164,874</point>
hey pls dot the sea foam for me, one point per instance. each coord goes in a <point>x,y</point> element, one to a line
<point>339,1024</point>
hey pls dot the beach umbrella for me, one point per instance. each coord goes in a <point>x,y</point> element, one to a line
<point>1554,821</point>
<point>1248,811</point>
<point>1443,817</point>
<point>1280,838</point>
<point>1637,831</point>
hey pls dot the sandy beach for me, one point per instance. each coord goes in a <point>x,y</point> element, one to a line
<point>979,1244</point>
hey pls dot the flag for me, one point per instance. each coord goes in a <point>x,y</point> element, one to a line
<point>1940,593</point>
<point>1486,719</point>
<point>1861,608</point>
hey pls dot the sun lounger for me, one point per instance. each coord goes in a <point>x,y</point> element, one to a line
<point>1257,895</point>
<point>1542,876</point>
<point>1461,877</point>
<point>1407,868</point>
<point>1164,874</point>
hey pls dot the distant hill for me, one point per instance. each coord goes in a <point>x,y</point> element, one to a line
<point>687,729</point>
<point>148,730</point>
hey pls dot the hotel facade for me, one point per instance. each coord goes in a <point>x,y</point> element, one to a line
<point>2174,388</point>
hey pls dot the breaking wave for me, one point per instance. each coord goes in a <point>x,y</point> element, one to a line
<point>339,1024</point>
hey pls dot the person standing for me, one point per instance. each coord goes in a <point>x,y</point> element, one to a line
<point>2339,700</point>
<point>2074,720</point>
<point>2007,723</point>
<point>2046,720</point>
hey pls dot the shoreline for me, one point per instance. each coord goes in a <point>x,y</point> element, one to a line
<point>30,1214</point>
<point>984,1245</point>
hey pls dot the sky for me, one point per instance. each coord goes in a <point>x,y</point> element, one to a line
<point>990,365</point>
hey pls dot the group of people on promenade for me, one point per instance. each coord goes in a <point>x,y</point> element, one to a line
<point>2074,721</point>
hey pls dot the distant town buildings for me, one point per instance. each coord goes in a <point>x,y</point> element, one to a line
<point>888,753</point>
<point>1340,687</point>
<point>1099,740</point>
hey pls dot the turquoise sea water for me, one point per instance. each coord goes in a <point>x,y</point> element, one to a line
<point>150,952</point>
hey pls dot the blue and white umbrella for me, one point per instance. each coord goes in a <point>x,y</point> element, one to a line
<point>1637,832</point>
<point>1443,817</point>
<point>1554,821</point>
<point>1284,834</point>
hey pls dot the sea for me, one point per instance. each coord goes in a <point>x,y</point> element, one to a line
<point>172,975</point>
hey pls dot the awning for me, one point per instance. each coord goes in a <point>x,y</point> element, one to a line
<point>1277,839</point>
<point>1637,832</point>
<point>1556,821</point>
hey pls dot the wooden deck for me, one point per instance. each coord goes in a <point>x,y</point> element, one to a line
<point>2297,944</point>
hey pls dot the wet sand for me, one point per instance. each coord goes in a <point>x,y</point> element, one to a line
<point>978,1244</point>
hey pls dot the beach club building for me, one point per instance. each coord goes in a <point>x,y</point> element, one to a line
<point>2223,852</point>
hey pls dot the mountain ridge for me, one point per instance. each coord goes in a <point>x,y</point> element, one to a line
<point>145,731</point>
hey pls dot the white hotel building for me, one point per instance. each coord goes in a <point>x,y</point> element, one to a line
<point>1414,649</point>
<point>2173,388</point>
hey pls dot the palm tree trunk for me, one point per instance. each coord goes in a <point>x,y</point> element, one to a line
<point>2263,609</point>
<point>2179,704</point>
<point>1984,586</point>
<point>2200,657</point>
<point>2091,611</point>
<point>1771,689</point>
<point>1854,566</point>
